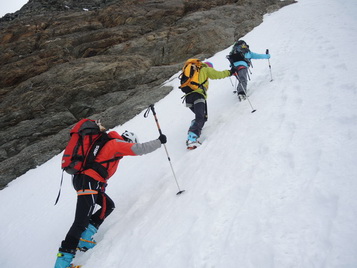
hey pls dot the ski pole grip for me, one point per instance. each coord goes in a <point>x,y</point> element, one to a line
<point>152,109</point>
<point>267,51</point>
<point>156,120</point>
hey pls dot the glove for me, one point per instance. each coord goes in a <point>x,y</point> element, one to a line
<point>268,56</point>
<point>162,139</point>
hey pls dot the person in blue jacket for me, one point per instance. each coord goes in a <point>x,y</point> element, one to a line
<point>240,59</point>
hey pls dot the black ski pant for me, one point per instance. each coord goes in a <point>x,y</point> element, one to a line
<point>198,105</point>
<point>242,80</point>
<point>89,193</point>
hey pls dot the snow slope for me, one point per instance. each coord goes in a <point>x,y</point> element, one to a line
<point>274,188</point>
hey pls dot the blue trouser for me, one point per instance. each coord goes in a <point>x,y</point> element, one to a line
<point>89,193</point>
<point>197,104</point>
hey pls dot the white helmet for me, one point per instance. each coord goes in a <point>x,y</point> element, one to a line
<point>99,124</point>
<point>130,137</point>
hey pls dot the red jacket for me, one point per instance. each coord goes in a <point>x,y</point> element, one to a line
<point>117,147</point>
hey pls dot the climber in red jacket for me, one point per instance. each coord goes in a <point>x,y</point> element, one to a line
<point>90,187</point>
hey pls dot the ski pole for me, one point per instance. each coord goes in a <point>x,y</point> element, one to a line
<point>228,58</point>
<point>271,76</point>
<point>234,86</point>
<point>151,107</point>
<point>245,92</point>
<point>231,81</point>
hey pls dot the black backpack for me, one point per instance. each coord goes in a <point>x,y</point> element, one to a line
<point>238,51</point>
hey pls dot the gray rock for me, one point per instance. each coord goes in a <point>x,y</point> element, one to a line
<point>63,60</point>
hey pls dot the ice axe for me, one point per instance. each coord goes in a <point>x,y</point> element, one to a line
<point>271,76</point>
<point>146,114</point>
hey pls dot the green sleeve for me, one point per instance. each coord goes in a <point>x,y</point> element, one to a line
<point>211,73</point>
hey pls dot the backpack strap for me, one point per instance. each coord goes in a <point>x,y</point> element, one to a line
<point>200,85</point>
<point>111,160</point>
<point>194,91</point>
<point>97,166</point>
<point>100,169</point>
<point>59,191</point>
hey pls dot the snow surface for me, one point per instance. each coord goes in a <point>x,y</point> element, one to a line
<point>274,188</point>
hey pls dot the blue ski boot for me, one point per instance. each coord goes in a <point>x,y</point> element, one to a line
<point>192,142</point>
<point>87,242</point>
<point>64,259</point>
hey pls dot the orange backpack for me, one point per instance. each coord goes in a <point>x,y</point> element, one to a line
<point>189,76</point>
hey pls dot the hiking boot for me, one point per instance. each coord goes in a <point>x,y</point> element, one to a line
<point>86,241</point>
<point>241,96</point>
<point>64,258</point>
<point>192,145</point>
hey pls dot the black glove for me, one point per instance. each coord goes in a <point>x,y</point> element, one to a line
<point>163,139</point>
<point>232,70</point>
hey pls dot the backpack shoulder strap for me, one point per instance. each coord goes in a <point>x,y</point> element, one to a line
<point>97,166</point>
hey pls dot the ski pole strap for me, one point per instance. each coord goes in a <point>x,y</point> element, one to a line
<point>151,107</point>
<point>146,114</point>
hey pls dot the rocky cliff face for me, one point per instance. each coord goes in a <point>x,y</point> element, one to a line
<point>63,60</point>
